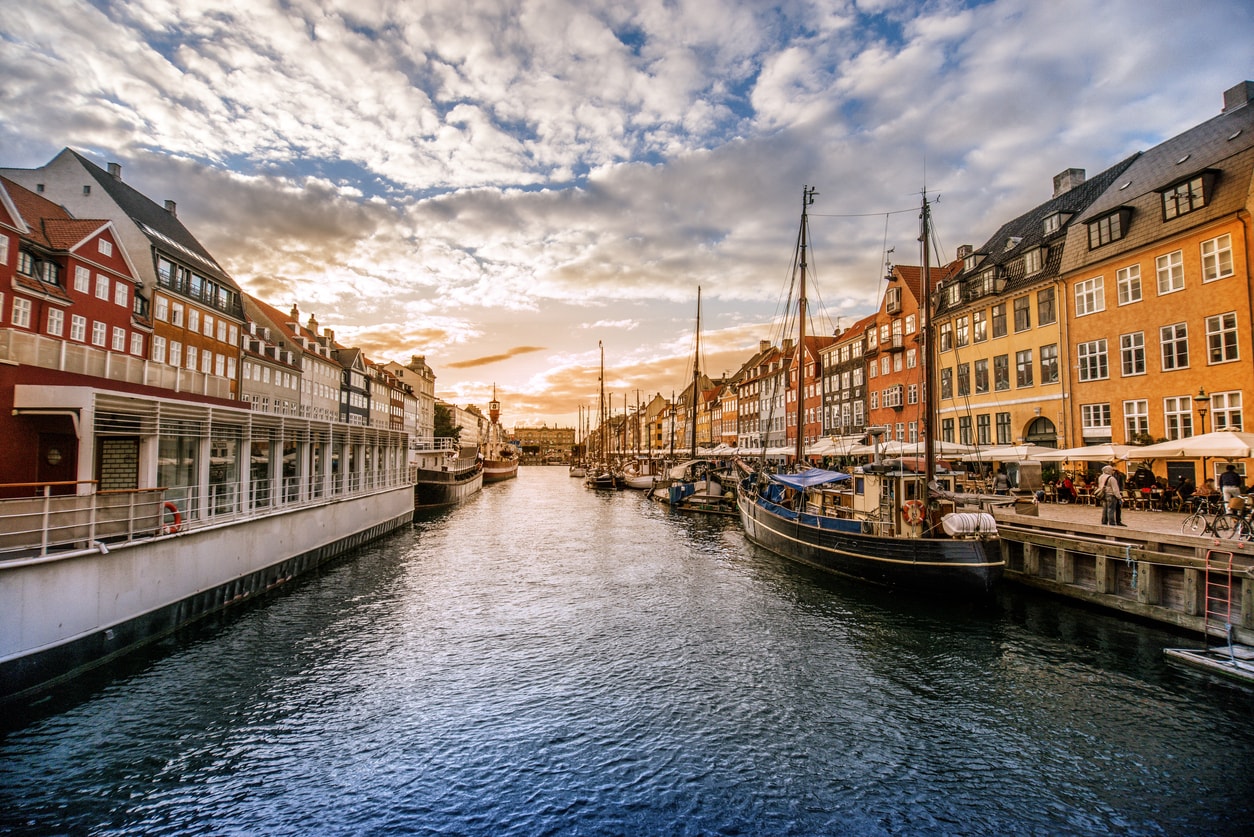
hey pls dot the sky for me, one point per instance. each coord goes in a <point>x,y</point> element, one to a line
<point>503,187</point>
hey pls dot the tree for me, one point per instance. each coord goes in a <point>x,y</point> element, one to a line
<point>444,427</point>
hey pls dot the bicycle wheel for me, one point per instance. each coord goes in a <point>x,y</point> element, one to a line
<point>1226,525</point>
<point>1195,524</point>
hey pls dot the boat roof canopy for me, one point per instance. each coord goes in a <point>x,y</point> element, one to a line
<point>810,478</point>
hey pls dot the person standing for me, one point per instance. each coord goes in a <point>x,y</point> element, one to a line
<point>1230,483</point>
<point>1110,491</point>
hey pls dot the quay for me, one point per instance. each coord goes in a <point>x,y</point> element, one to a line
<point>1147,569</point>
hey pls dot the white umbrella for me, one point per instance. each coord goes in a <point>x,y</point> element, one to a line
<point>939,448</point>
<point>1005,453</point>
<point>1091,453</point>
<point>1225,444</point>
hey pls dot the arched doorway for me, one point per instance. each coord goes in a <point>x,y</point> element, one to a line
<point>1042,432</point>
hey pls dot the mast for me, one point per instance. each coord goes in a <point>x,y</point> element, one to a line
<point>696,375</point>
<point>604,453</point>
<point>807,198</point>
<point>929,367</point>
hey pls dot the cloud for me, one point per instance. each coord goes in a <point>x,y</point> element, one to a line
<point>490,359</point>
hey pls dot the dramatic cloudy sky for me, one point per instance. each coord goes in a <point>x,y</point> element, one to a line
<point>501,185</point>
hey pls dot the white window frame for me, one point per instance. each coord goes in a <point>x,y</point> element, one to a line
<point>1135,419</point>
<point>1095,417</point>
<point>1175,346</point>
<point>1170,270</point>
<point>1128,282</point>
<point>1178,416</point>
<point>1222,340</point>
<point>158,349</point>
<point>137,343</point>
<point>119,339</point>
<point>1217,258</point>
<point>99,333</point>
<point>21,312</point>
<point>1132,354</point>
<point>56,321</point>
<point>78,328</point>
<point>1225,410</point>
<point>120,296</point>
<point>1090,296</point>
<point>102,286</point>
<point>1091,360</point>
<point>82,279</point>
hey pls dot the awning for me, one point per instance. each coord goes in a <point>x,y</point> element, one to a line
<point>810,478</point>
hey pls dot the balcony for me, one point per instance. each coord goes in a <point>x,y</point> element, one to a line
<point>895,343</point>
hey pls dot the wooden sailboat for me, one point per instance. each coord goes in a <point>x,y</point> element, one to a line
<point>893,527</point>
<point>599,474</point>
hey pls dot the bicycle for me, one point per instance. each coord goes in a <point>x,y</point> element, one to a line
<point>1236,522</point>
<point>1208,511</point>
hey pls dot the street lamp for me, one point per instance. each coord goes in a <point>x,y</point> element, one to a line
<point>1202,401</point>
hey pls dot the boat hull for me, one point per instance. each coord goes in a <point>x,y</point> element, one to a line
<point>65,615</point>
<point>499,470</point>
<point>967,566</point>
<point>433,489</point>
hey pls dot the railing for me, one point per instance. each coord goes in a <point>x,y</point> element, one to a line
<point>46,523</point>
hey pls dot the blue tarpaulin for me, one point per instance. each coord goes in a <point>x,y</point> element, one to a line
<point>807,479</point>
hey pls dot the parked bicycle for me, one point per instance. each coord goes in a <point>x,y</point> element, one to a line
<point>1235,520</point>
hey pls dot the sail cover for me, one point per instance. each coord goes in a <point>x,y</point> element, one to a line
<point>810,478</point>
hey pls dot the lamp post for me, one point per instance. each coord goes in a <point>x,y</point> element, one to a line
<point>1202,402</point>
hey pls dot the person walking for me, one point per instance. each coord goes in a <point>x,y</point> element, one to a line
<point>1230,483</point>
<point>1110,491</point>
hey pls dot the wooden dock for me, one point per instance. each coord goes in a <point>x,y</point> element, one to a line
<point>1148,569</point>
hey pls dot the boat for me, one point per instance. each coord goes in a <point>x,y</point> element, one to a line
<point>446,477</point>
<point>699,485</point>
<point>641,473</point>
<point>886,525</point>
<point>599,475</point>
<point>500,459</point>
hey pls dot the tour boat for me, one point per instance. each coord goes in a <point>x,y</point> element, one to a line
<point>500,459</point>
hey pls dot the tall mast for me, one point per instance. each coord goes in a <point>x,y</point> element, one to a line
<point>696,375</point>
<point>604,453</point>
<point>929,366</point>
<point>807,198</point>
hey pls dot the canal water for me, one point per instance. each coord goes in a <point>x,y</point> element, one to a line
<point>548,660</point>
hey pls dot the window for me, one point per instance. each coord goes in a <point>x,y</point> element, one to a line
<point>1032,261</point>
<point>979,326</point>
<point>1054,222</point>
<point>4,249</point>
<point>193,320</point>
<point>912,358</point>
<point>910,324</point>
<point>1023,314</point>
<point>21,312</point>
<point>165,272</point>
<point>137,344</point>
<point>78,328</point>
<point>176,353</point>
<point>1132,353</point>
<point>947,430</point>
<point>1221,338</point>
<point>102,286</point>
<point>221,330</point>
<point>1135,419</point>
<point>947,382</point>
<point>1003,428</point>
<point>1023,368</point>
<point>1095,419</point>
<point>1001,372</point>
<point>981,375</point>
<point>209,325</point>
<point>946,336</point>
<point>48,273</point>
<point>1178,416</point>
<point>82,279</point>
<point>161,309</point>
<point>912,394</point>
<point>1225,410</point>
<point>206,361</point>
<point>962,332</point>
<point>1090,296</point>
<point>983,429</point>
<point>25,263</point>
<point>1106,229</point>
<point>176,314</point>
<point>1049,364</point>
<point>105,247</point>
<point>1175,340</point>
<point>1170,272</point>
<point>964,379</point>
<point>119,294</point>
<point>219,365</point>
<point>119,339</point>
<point>1185,197</point>
<point>1046,307</point>
<point>964,430</point>
<point>99,333</point>
<point>192,357</point>
<point>999,320</point>
<point>1128,280</point>
<point>56,321</point>
<point>1217,258</point>
<point>158,349</point>
<point>884,362</point>
<point>1091,359</point>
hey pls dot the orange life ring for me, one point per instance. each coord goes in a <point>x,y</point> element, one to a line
<point>913,511</point>
<point>174,527</point>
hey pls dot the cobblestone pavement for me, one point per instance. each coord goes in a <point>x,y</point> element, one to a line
<point>1086,516</point>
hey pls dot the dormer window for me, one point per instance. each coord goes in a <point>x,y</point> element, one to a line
<point>1187,195</point>
<point>971,261</point>
<point>1110,227</point>
<point>25,263</point>
<point>1013,242</point>
<point>1054,222</point>
<point>952,295</point>
<point>1033,261</point>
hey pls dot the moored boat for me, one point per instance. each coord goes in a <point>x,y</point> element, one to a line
<point>500,459</point>
<point>447,478</point>
<point>893,527</point>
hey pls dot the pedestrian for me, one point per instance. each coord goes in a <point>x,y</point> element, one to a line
<point>1110,491</point>
<point>1230,483</point>
<point>1001,482</point>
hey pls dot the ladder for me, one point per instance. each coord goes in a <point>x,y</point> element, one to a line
<point>1217,588</point>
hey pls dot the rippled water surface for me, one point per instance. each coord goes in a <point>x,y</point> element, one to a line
<point>549,660</point>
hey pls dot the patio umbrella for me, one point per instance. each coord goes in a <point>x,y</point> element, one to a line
<point>1090,453</point>
<point>1224,444</point>
<point>939,448</point>
<point>1005,453</point>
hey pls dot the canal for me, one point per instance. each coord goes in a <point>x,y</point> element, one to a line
<point>549,660</point>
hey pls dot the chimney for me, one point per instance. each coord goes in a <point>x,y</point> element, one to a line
<point>965,250</point>
<point>330,336</point>
<point>763,345</point>
<point>1235,97</point>
<point>172,208</point>
<point>115,171</point>
<point>1067,180</point>
<point>295,315</point>
<point>313,325</point>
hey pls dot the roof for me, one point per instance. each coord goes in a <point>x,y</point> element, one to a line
<point>50,224</point>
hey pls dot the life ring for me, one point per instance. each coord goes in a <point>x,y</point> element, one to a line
<point>913,511</point>
<point>174,527</point>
